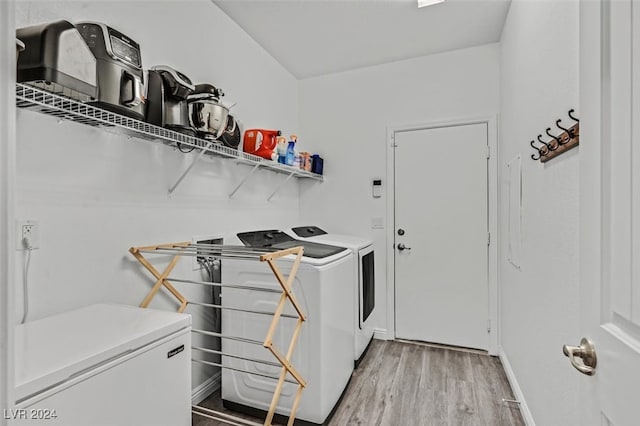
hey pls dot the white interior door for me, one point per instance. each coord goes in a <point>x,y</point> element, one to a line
<point>610,209</point>
<point>441,256</point>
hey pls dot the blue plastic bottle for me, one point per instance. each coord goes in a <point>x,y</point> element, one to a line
<point>282,150</point>
<point>291,151</point>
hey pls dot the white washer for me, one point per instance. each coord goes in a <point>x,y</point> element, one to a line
<point>364,279</point>
<point>324,352</point>
<point>104,365</point>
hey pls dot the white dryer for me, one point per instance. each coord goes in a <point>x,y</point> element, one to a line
<point>104,365</point>
<point>364,279</point>
<point>324,353</point>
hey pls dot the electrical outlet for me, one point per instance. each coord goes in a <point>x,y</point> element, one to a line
<point>27,235</point>
<point>377,223</point>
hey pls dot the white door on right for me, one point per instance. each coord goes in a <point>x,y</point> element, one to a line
<point>610,211</point>
<point>441,251</point>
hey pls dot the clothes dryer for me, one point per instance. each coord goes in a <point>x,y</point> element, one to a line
<point>364,280</point>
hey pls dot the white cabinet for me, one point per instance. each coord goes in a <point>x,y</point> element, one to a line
<point>105,365</point>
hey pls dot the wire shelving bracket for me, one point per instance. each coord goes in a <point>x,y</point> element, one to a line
<point>279,187</point>
<point>242,182</point>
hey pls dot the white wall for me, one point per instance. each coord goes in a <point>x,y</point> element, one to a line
<point>95,194</point>
<point>539,303</point>
<point>345,117</point>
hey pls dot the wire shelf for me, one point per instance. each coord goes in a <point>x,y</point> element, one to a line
<point>35,99</point>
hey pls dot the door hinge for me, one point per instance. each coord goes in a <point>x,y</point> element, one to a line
<point>488,152</point>
<point>488,238</point>
<point>488,326</point>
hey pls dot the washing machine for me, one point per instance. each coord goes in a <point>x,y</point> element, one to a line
<point>364,281</point>
<point>104,365</point>
<point>324,352</point>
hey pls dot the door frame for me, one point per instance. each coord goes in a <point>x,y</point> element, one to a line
<point>7,203</point>
<point>492,203</point>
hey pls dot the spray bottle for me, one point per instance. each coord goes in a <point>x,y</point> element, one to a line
<point>281,149</point>
<point>291,151</point>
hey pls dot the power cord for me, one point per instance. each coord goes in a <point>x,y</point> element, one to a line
<point>26,242</point>
<point>210,265</point>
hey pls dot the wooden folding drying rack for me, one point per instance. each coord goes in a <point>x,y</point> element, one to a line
<point>236,252</point>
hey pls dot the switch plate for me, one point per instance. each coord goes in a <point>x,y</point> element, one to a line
<point>376,186</point>
<point>377,223</point>
<point>27,229</point>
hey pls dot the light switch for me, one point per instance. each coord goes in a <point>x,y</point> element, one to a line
<point>377,188</point>
<point>377,223</point>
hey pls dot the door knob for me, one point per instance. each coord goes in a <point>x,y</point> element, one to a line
<point>586,352</point>
<point>402,247</point>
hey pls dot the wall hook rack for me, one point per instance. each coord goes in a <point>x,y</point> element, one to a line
<point>569,138</point>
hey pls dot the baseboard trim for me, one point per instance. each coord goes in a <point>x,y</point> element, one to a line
<point>381,334</point>
<point>524,408</point>
<point>206,388</point>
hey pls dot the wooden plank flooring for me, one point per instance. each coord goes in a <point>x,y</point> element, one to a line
<point>406,384</point>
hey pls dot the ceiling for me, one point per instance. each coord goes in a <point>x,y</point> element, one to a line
<point>315,37</point>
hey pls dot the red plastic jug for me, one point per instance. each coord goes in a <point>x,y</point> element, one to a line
<point>260,142</point>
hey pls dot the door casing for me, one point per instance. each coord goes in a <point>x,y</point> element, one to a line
<point>493,198</point>
<point>7,204</point>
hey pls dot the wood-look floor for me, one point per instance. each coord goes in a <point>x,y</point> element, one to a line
<point>406,384</point>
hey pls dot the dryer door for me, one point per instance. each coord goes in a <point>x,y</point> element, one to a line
<point>366,285</point>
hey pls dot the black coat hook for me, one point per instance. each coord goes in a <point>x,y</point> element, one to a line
<point>548,131</point>
<point>569,135</point>
<point>545,145</point>
<point>533,156</point>
<point>549,146</point>
<point>572,117</point>
<point>540,151</point>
